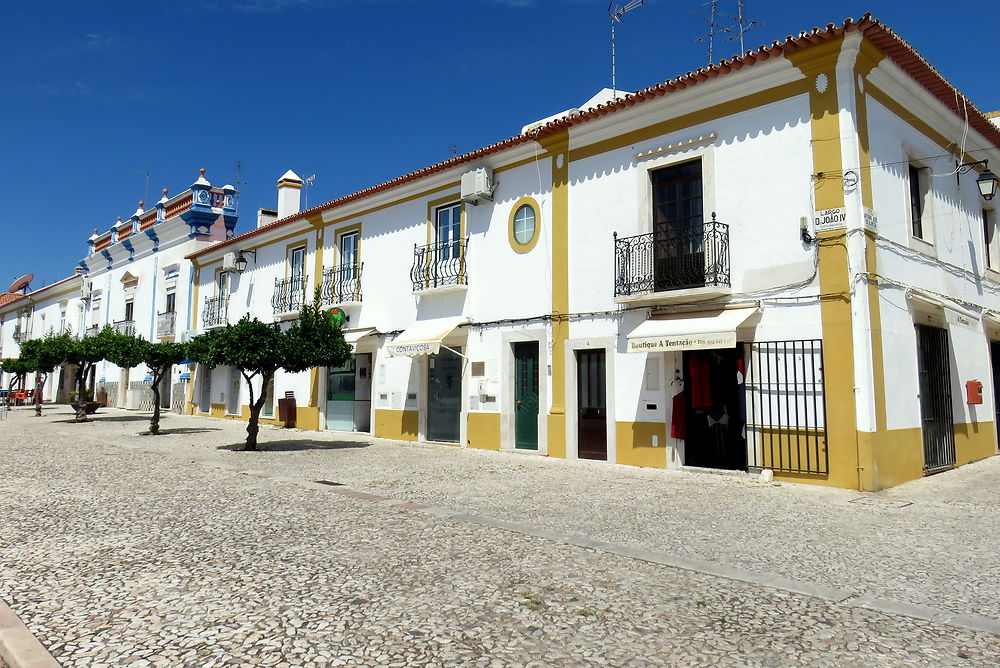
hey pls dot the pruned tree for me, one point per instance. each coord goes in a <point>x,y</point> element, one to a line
<point>127,351</point>
<point>85,353</point>
<point>18,369</point>
<point>43,356</point>
<point>259,349</point>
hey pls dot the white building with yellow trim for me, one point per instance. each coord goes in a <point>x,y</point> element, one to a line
<point>781,262</point>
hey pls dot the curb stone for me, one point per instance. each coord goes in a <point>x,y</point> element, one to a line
<point>19,648</point>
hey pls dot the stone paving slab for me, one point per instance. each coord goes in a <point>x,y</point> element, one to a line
<point>117,556</point>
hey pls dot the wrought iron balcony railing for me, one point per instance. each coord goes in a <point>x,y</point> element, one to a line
<point>342,284</point>
<point>19,335</point>
<point>289,294</point>
<point>215,313</point>
<point>125,327</point>
<point>439,264</point>
<point>93,330</point>
<point>166,323</point>
<point>694,256</point>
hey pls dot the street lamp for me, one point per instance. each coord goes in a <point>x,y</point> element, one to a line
<point>241,260</point>
<point>987,181</point>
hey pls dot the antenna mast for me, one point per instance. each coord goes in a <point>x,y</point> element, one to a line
<point>308,181</point>
<point>616,12</point>
<point>145,195</point>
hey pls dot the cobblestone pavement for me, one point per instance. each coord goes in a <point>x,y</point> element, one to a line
<point>138,551</point>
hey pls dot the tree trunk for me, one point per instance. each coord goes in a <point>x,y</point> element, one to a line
<point>154,422</point>
<point>256,405</point>
<point>81,400</point>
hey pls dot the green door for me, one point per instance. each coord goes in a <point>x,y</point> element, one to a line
<point>526,395</point>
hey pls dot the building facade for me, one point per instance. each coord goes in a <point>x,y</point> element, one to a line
<point>783,262</point>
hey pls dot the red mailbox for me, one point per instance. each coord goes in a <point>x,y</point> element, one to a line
<point>974,392</point>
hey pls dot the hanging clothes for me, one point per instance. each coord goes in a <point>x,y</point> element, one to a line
<point>678,420</point>
<point>699,368</point>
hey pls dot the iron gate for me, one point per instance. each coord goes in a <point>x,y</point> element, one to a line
<point>786,407</point>
<point>936,421</point>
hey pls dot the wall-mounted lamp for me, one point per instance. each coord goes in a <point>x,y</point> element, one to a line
<point>987,181</point>
<point>807,237</point>
<point>241,259</point>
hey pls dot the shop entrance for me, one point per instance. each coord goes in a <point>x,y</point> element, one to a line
<point>444,396</point>
<point>592,409</point>
<point>715,409</point>
<point>936,421</point>
<point>348,395</point>
<point>995,360</point>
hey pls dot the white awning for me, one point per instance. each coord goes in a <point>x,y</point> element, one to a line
<point>352,336</point>
<point>423,337</point>
<point>688,331</point>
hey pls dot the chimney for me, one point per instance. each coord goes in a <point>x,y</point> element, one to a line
<point>289,194</point>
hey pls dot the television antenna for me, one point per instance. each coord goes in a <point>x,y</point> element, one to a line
<point>308,181</point>
<point>239,183</point>
<point>145,194</point>
<point>616,13</point>
<point>741,26</point>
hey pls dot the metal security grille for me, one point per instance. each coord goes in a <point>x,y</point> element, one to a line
<point>786,409</point>
<point>937,421</point>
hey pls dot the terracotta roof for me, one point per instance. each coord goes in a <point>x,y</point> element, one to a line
<point>7,297</point>
<point>895,47</point>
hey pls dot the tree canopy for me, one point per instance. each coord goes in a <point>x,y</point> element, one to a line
<point>259,349</point>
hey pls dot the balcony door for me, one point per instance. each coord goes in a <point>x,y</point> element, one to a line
<point>346,287</point>
<point>678,227</point>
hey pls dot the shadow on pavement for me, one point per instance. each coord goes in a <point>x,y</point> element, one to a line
<point>294,445</point>
<point>182,430</point>
<point>112,418</point>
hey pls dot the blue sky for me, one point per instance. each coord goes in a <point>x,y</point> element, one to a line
<point>92,95</point>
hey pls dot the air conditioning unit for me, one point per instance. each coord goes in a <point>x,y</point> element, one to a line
<point>477,185</point>
<point>229,262</point>
<point>85,289</point>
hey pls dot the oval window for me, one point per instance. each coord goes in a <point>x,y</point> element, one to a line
<point>524,224</point>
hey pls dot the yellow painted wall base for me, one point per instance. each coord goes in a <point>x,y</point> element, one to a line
<point>307,417</point>
<point>974,441</point>
<point>557,436</point>
<point>634,444</point>
<point>397,425</point>
<point>897,456</point>
<point>484,431</point>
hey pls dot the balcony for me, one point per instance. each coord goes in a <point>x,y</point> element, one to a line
<point>289,294</point>
<point>215,313</point>
<point>93,330</point>
<point>673,264</point>
<point>166,324</point>
<point>439,266</point>
<point>126,327</point>
<point>342,284</point>
<point>20,335</point>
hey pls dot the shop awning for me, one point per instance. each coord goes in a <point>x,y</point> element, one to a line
<point>352,336</point>
<point>688,331</point>
<point>423,337</point>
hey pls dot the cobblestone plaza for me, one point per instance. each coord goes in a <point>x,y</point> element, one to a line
<point>126,550</point>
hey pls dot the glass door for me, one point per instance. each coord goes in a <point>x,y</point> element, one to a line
<point>592,409</point>
<point>444,396</point>
<point>340,397</point>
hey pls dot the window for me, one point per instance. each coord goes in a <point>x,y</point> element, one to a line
<point>222,283</point>
<point>349,253</point>
<point>678,227</point>
<point>129,310</point>
<point>62,320</point>
<point>171,302</point>
<point>919,191</point>
<point>448,231</point>
<point>524,225</point>
<point>298,263</point>
<point>991,242</point>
